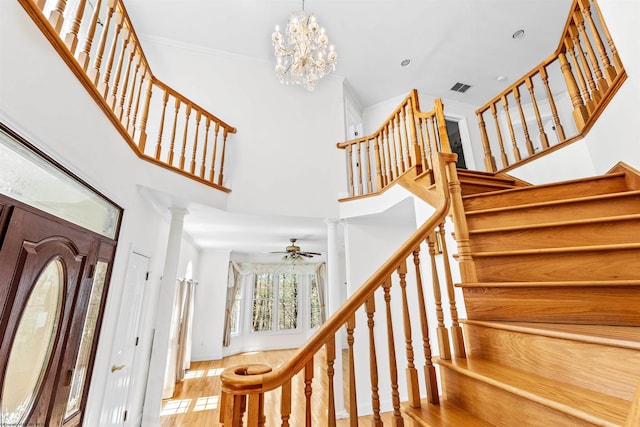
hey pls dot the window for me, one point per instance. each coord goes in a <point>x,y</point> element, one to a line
<point>266,308</point>
<point>235,311</point>
<point>315,307</point>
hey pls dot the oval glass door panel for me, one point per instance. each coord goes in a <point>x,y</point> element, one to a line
<point>32,345</point>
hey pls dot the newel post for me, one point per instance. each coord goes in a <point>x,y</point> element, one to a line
<point>489,160</point>
<point>233,406</point>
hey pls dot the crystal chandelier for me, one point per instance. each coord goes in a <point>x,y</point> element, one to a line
<point>306,56</point>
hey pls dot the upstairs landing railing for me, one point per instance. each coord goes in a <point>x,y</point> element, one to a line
<point>303,398</point>
<point>559,100</point>
<point>97,41</point>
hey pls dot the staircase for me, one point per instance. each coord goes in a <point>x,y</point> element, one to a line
<point>553,328</point>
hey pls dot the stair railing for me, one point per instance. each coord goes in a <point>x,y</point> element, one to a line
<point>162,126</point>
<point>246,388</point>
<point>528,118</point>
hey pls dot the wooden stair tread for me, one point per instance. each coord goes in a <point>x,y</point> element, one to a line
<point>536,251</point>
<point>563,283</point>
<point>599,197</point>
<point>557,224</point>
<point>616,336</point>
<point>445,414</point>
<point>578,402</point>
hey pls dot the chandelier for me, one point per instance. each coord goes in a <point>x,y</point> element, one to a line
<point>306,56</point>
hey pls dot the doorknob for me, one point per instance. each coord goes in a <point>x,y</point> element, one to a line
<point>117,368</point>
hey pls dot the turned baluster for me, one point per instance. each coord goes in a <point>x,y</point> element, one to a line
<point>389,176</point>
<point>431,382</point>
<point>137,65</point>
<point>119,109</point>
<point>412,373</point>
<point>85,55</point>
<point>358,167</point>
<point>255,411</point>
<point>456,330</point>
<point>56,18</point>
<point>330,349</point>
<point>204,149</point>
<point>353,403</point>
<point>212,170</point>
<point>503,154</point>
<point>195,143</point>
<point>394,149</point>
<point>443,334</point>
<point>614,52</point>
<point>429,144</point>
<point>370,308</point>
<point>580,114</point>
<point>144,75</point>
<point>225,133</point>
<point>111,99</point>
<point>379,164</point>
<point>514,144</point>
<point>609,70</point>
<point>489,160</point>
<point>407,148</point>
<point>165,100</point>
<point>144,115</point>
<point>523,120</point>
<point>552,104</point>
<point>308,378</point>
<point>443,136</point>
<point>285,403</point>
<point>368,157</point>
<point>187,115</point>
<point>602,84</point>
<point>234,408</point>
<point>173,131</point>
<point>71,39</point>
<point>583,90</point>
<point>588,84</point>
<point>399,145</point>
<point>544,141</point>
<point>94,74</point>
<point>103,88</point>
<point>415,148</point>
<point>393,365</point>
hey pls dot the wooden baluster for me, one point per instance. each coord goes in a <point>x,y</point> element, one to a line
<point>436,141</point>
<point>71,39</point>
<point>609,70</point>
<point>580,114</point>
<point>119,109</point>
<point>187,115</point>
<point>514,144</point>
<point>552,104</point>
<point>602,84</point>
<point>443,334</point>
<point>285,402</point>
<point>165,99</point>
<point>85,55</point>
<point>408,158</point>
<point>223,405</point>
<point>431,382</point>
<point>358,167</point>
<point>394,148</point>
<point>614,52</point>
<point>456,330</point>
<point>489,160</point>
<point>353,403</point>
<point>94,74</point>
<point>212,171</point>
<point>111,98</point>
<point>583,90</point>
<point>429,144</point>
<point>390,177</point>
<point>142,124</point>
<point>368,157</point>
<point>379,164</point>
<point>225,133</point>
<point>393,366</point>
<point>132,123</point>
<point>204,149</point>
<point>544,141</point>
<point>415,148</point>
<point>585,75</point>
<point>348,149</point>
<point>503,154</point>
<point>173,131</point>
<point>370,308</point>
<point>56,18</point>
<point>234,406</point>
<point>137,63</point>
<point>195,143</point>
<point>308,378</point>
<point>103,88</point>
<point>443,136</point>
<point>523,120</point>
<point>255,412</point>
<point>400,145</point>
<point>330,350</point>
<point>413,389</point>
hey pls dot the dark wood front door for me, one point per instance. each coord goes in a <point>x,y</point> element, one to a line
<point>45,278</point>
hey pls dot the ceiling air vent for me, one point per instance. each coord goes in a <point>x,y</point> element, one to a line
<point>460,87</point>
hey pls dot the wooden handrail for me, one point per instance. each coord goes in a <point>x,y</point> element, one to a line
<point>582,61</point>
<point>113,68</point>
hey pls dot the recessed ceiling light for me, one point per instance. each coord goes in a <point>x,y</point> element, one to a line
<point>501,78</point>
<point>405,62</point>
<point>518,35</point>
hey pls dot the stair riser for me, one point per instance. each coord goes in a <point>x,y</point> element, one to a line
<point>590,306</point>
<point>596,265</point>
<point>543,194</point>
<point>469,188</point>
<point>588,365</point>
<point>500,407</point>
<point>554,213</point>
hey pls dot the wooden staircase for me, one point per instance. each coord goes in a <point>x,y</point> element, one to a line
<point>553,329</point>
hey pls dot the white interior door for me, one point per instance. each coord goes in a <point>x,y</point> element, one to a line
<point>114,409</point>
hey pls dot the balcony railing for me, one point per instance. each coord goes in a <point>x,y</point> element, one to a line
<point>98,42</point>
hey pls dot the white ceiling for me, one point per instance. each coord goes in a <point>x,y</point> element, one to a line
<point>448,41</point>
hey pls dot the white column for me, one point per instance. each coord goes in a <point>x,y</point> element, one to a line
<point>162,334</point>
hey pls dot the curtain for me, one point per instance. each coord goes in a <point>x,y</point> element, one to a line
<point>233,286</point>
<point>186,298</point>
<point>321,275</point>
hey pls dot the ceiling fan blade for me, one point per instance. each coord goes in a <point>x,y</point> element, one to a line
<point>311,253</point>
<point>279,252</point>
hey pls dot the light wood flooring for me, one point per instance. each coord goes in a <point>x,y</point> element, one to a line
<point>196,398</point>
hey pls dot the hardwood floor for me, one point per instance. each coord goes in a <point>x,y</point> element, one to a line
<point>196,398</point>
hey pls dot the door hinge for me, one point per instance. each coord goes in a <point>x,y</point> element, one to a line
<point>146,277</point>
<point>137,340</point>
<point>124,417</point>
<point>92,269</point>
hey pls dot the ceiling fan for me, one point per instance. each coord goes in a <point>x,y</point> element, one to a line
<point>293,252</point>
